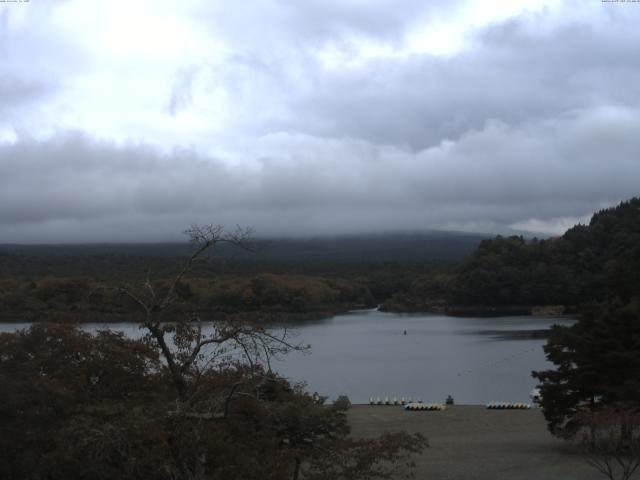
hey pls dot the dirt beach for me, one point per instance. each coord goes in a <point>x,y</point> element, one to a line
<point>471,442</point>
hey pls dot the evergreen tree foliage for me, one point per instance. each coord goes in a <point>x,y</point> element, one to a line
<point>597,366</point>
<point>589,262</point>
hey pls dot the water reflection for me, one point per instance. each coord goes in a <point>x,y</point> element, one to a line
<point>513,334</point>
<point>367,353</point>
<point>476,360</point>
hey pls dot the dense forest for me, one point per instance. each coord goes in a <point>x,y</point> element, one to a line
<point>287,279</point>
<point>404,247</point>
<point>588,263</point>
<point>181,402</point>
<point>83,298</point>
<point>297,279</point>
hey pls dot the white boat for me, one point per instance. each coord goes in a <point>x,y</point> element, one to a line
<point>535,395</point>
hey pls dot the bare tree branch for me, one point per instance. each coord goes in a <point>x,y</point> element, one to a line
<point>612,444</point>
<point>188,344</point>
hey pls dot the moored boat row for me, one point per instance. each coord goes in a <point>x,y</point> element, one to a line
<point>392,401</point>
<point>508,405</point>
<point>414,406</point>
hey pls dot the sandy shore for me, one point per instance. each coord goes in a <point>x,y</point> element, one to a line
<point>470,442</point>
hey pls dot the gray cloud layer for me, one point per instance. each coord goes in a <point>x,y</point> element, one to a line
<point>532,126</point>
<point>487,179</point>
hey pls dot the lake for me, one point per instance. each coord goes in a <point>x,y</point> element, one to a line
<point>367,353</point>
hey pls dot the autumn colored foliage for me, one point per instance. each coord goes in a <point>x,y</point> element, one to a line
<point>75,405</point>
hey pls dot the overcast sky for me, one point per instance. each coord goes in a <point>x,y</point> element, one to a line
<point>126,121</point>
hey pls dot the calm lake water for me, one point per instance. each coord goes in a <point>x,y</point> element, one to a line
<point>366,353</point>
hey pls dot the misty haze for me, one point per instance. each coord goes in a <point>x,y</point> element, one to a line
<point>319,240</point>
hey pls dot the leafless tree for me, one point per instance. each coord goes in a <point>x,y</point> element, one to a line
<point>189,349</point>
<point>611,441</point>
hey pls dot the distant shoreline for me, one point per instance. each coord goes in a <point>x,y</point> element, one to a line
<point>482,310</point>
<point>275,317</point>
<point>266,317</point>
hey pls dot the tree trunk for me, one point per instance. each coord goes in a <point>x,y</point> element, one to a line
<point>296,469</point>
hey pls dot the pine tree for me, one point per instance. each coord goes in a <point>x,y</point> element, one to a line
<point>597,365</point>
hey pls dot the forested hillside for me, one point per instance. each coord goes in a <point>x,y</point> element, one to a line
<point>404,273</point>
<point>588,263</point>
<point>285,278</point>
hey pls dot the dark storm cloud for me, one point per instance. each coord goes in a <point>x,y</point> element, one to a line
<point>532,125</point>
<point>513,73</point>
<point>487,179</point>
